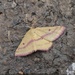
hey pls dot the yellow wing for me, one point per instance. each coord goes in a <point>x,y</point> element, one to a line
<point>25,46</point>
<point>40,43</point>
<point>32,42</point>
<point>38,39</point>
<point>49,33</point>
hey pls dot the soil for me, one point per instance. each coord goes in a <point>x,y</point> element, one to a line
<point>16,16</point>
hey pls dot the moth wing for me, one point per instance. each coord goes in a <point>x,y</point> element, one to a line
<point>38,39</point>
<point>41,43</point>
<point>26,47</point>
<point>50,33</point>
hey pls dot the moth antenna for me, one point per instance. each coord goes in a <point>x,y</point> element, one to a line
<point>34,22</point>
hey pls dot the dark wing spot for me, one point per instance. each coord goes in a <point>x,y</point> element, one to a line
<point>49,29</point>
<point>41,37</point>
<point>23,43</point>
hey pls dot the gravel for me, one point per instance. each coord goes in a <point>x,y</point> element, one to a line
<point>16,15</point>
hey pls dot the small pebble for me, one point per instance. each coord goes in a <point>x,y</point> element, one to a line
<point>21,73</point>
<point>13,4</point>
<point>28,17</point>
<point>36,59</point>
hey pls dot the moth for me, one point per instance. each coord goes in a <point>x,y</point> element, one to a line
<point>39,38</point>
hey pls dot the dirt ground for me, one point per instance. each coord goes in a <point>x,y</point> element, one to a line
<point>16,15</point>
